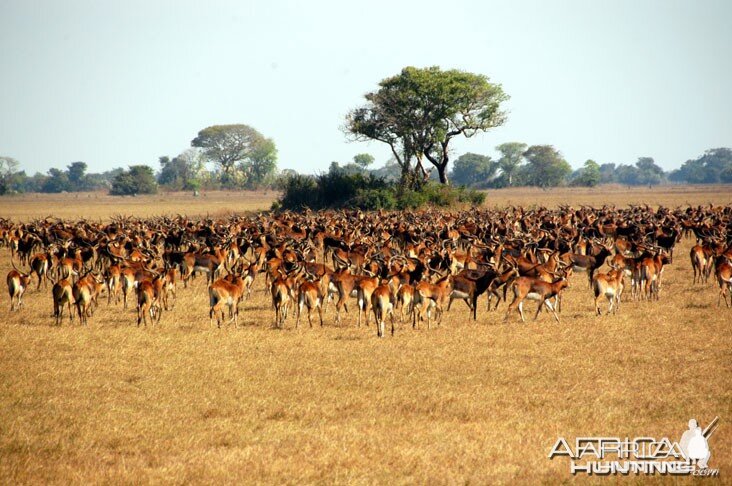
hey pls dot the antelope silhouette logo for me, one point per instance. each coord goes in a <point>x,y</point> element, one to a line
<point>694,442</point>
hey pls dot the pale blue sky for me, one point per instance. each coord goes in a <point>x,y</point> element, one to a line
<point>117,83</point>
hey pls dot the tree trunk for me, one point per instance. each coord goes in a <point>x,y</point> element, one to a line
<point>442,172</point>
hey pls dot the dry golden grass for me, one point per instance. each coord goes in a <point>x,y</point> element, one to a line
<point>479,402</point>
<point>101,206</point>
<point>621,196</point>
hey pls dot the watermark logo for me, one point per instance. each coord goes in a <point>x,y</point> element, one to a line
<point>604,456</point>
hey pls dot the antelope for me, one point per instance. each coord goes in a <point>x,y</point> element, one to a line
<point>723,272</point>
<point>40,266</point>
<point>113,277</point>
<point>429,296</point>
<point>502,280</point>
<point>587,263</point>
<point>225,292</point>
<point>405,301</point>
<point>701,262</point>
<point>364,289</point>
<point>345,283</point>
<point>535,289</point>
<point>382,305</point>
<point>62,296</point>
<point>651,269</point>
<point>85,291</point>
<point>469,289</point>
<point>147,302</point>
<point>18,282</point>
<point>70,266</point>
<point>209,263</point>
<point>165,287</point>
<point>309,295</point>
<point>609,285</point>
<point>282,294</point>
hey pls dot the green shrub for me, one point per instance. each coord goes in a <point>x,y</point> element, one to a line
<point>140,179</point>
<point>340,189</point>
<point>374,199</point>
<point>300,192</point>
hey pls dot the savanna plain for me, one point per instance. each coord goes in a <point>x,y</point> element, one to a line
<point>184,402</point>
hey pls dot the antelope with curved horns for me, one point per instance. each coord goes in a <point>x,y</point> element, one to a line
<point>535,289</point>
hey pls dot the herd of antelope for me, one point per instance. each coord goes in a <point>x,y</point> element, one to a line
<point>412,264</point>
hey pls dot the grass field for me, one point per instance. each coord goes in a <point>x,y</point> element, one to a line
<point>467,402</point>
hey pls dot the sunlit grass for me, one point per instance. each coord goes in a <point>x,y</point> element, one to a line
<point>480,402</point>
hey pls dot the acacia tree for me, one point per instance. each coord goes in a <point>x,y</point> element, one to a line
<point>227,145</point>
<point>419,111</point>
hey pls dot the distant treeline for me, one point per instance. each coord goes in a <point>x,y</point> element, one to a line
<point>518,165</point>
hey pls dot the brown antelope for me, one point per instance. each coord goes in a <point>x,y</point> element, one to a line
<point>40,266</point>
<point>309,295</point>
<point>701,262</point>
<point>113,278</point>
<point>346,284</point>
<point>226,292</point>
<point>68,267</point>
<point>282,294</point>
<point>469,289</point>
<point>610,286</point>
<point>18,282</point>
<point>147,302</point>
<point>132,273</point>
<point>651,269</point>
<point>85,291</point>
<point>209,263</point>
<point>165,288</point>
<point>365,287</point>
<point>62,296</point>
<point>587,263</point>
<point>382,305</point>
<point>535,289</point>
<point>405,301</point>
<point>723,272</point>
<point>431,296</point>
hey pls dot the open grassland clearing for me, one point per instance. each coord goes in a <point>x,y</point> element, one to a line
<point>467,401</point>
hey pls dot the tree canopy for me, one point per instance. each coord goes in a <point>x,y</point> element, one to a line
<point>229,145</point>
<point>473,170</point>
<point>419,111</point>
<point>8,168</point>
<point>512,155</point>
<point>546,166</point>
<point>139,179</point>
